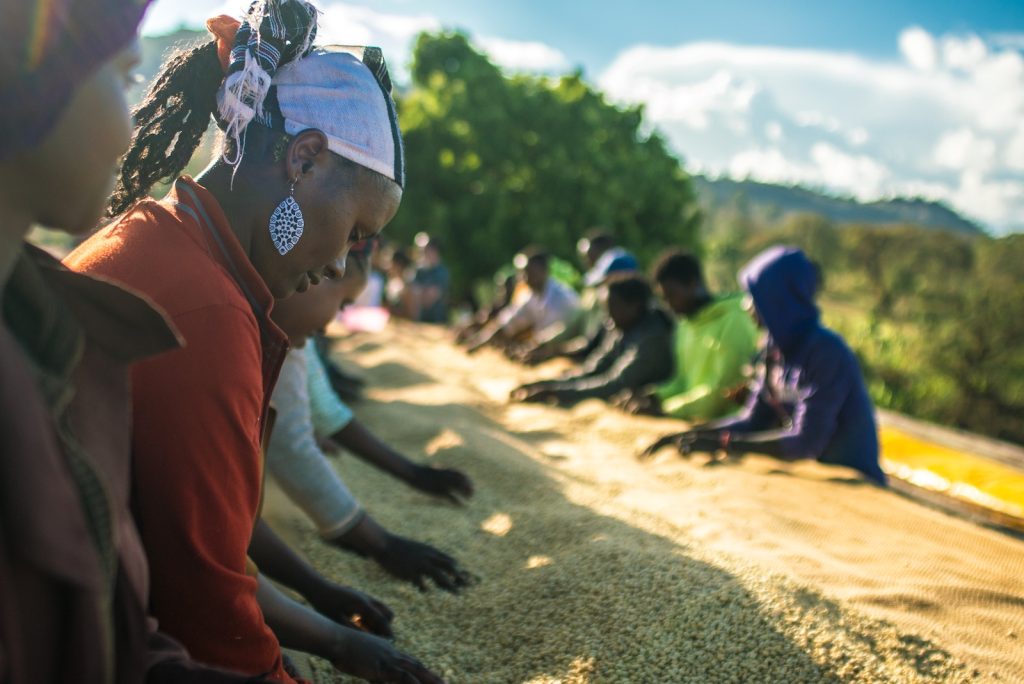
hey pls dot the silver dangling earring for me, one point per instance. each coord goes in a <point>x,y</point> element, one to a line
<point>286,223</point>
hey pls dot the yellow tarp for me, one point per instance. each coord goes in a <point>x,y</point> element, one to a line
<point>962,475</point>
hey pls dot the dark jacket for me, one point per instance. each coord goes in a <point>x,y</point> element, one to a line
<point>622,361</point>
<point>74,580</point>
<point>812,386</point>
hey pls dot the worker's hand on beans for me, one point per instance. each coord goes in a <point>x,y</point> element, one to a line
<point>685,443</point>
<point>375,660</point>
<point>519,392</point>
<point>539,354</point>
<point>679,440</point>
<point>415,562</point>
<point>446,483</point>
<point>536,392</point>
<point>703,442</point>
<point>640,404</point>
<point>353,608</point>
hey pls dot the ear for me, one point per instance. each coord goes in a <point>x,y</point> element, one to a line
<point>307,154</point>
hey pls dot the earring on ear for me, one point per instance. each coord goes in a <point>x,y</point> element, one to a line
<point>286,223</point>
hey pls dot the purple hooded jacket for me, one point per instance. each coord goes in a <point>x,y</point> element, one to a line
<point>812,387</point>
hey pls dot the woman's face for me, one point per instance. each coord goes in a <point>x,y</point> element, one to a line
<point>335,216</point>
<point>70,175</point>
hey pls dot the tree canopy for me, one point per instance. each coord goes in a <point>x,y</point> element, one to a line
<point>496,162</point>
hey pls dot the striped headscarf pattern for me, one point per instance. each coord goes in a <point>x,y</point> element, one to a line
<point>273,33</point>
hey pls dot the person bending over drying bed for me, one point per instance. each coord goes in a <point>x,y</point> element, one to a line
<point>636,352</point>
<point>715,340</point>
<point>811,402</point>
<point>549,302</point>
<point>312,161</point>
<point>306,406</point>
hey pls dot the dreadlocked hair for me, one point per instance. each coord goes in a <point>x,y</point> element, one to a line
<point>169,123</point>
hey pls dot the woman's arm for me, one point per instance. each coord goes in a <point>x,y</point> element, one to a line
<point>279,562</point>
<point>353,652</point>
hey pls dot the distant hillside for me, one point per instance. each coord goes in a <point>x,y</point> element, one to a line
<point>779,200</point>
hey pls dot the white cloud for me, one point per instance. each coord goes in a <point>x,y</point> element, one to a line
<point>964,150</point>
<point>1015,150</point>
<point>768,164</point>
<point>858,174</point>
<point>516,55</point>
<point>963,52</point>
<point>858,136</point>
<point>990,200</point>
<point>164,17</point>
<point>945,122</point>
<point>919,48</point>
<point>1012,41</point>
<point>394,33</point>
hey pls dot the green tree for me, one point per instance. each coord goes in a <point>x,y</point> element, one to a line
<point>496,162</point>
<point>913,273</point>
<point>980,345</point>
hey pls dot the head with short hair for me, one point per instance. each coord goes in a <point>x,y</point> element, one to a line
<point>680,280</point>
<point>430,247</point>
<point>314,123</point>
<point>535,265</point>
<point>593,244</point>
<point>399,262</point>
<point>629,299</point>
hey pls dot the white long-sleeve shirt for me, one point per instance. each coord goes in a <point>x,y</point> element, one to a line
<point>307,406</point>
<point>556,304</point>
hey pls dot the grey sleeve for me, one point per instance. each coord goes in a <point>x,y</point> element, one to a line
<point>648,361</point>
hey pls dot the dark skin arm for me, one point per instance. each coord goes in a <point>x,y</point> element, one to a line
<point>351,651</point>
<point>445,483</point>
<point>708,439</point>
<point>642,403</point>
<point>484,337</point>
<point>537,392</point>
<point>343,605</point>
<point>406,559</point>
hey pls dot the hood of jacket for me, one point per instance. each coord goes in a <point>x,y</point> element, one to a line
<point>782,281</point>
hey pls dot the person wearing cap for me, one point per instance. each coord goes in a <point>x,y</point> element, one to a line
<point>431,282</point>
<point>307,408</point>
<point>603,257</point>
<point>582,335</point>
<point>810,401</point>
<point>74,581</point>
<point>715,343</point>
<point>634,353</point>
<point>548,302</point>
<point>312,161</point>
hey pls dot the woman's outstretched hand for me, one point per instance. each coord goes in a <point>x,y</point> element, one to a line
<point>446,483</point>
<point>416,562</point>
<point>374,659</point>
<point>353,608</point>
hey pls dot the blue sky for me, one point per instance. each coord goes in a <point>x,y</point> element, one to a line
<point>871,99</point>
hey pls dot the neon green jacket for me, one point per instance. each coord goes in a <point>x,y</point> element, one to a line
<point>712,349</point>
